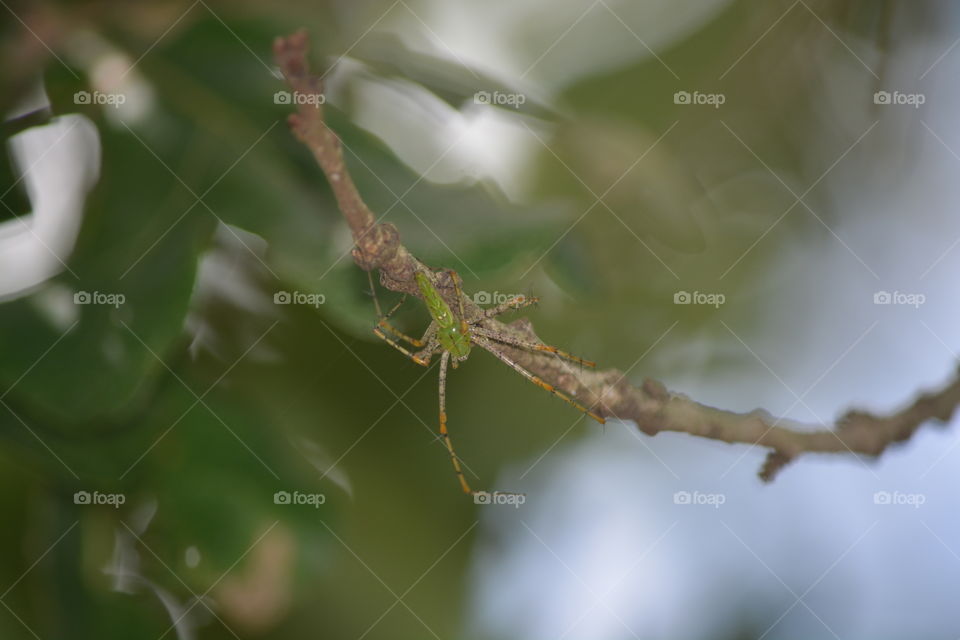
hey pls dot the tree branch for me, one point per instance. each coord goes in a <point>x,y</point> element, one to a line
<point>651,406</point>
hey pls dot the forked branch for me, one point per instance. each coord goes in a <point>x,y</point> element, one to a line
<point>651,406</point>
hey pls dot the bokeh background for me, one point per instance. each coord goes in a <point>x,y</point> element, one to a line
<point>781,165</point>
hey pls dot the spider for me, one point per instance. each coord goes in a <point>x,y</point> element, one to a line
<point>452,336</point>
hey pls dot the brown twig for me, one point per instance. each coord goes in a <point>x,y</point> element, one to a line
<point>651,406</point>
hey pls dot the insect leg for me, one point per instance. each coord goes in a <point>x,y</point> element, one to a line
<point>443,423</point>
<point>421,360</point>
<point>517,302</point>
<point>533,346</point>
<point>486,344</point>
<point>383,321</point>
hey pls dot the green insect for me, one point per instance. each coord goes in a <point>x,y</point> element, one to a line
<point>452,336</point>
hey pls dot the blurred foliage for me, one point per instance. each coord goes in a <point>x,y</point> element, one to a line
<point>198,405</point>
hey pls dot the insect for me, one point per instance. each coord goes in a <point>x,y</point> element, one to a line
<point>453,335</point>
